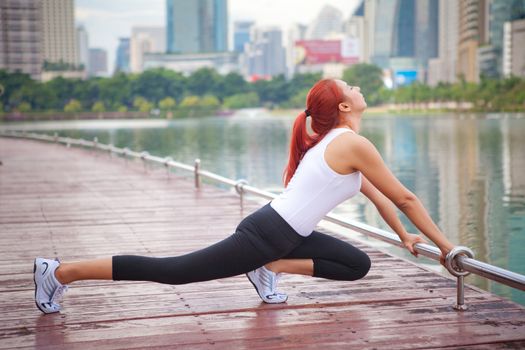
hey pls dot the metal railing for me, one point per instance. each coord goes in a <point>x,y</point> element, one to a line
<point>459,261</point>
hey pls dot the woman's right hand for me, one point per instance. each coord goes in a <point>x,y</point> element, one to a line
<point>444,251</point>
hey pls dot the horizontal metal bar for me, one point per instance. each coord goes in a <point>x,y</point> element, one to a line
<point>477,267</point>
<point>216,177</point>
<point>498,274</point>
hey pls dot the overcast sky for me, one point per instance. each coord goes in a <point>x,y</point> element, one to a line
<point>106,21</point>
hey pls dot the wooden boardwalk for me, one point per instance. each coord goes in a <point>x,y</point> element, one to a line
<point>75,204</point>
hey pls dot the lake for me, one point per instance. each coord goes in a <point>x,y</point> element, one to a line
<point>467,169</point>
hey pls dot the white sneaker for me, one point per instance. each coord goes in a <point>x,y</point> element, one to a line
<point>47,288</point>
<point>265,283</point>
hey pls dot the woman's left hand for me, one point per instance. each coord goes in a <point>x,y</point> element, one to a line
<point>411,240</point>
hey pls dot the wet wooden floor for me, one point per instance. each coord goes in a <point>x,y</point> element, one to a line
<point>75,204</point>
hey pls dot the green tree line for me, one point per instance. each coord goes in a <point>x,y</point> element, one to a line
<point>155,88</point>
<point>169,90</point>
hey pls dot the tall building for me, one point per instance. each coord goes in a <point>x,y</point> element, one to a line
<point>513,48</point>
<point>264,55</point>
<point>241,34</point>
<point>355,28</point>
<point>98,62</point>
<point>443,68</point>
<point>58,29</point>
<point>401,36</point>
<point>426,31</point>
<point>491,57</point>
<point>472,33</point>
<point>328,21</point>
<point>82,46</point>
<point>145,40</point>
<point>380,24</point>
<point>20,36</point>
<point>296,32</point>
<point>196,26</point>
<point>122,60</point>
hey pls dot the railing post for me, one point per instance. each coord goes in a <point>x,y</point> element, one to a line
<point>167,161</point>
<point>110,150</point>
<point>68,142</point>
<point>95,144</point>
<point>197,175</point>
<point>143,156</point>
<point>239,187</point>
<point>455,270</point>
<point>55,137</point>
<point>125,152</point>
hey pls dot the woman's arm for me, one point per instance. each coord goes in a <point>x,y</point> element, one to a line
<point>365,158</point>
<point>387,211</point>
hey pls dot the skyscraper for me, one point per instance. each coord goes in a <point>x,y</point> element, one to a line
<point>329,20</point>
<point>20,36</point>
<point>472,33</point>
<point>402,35</point>
<point>513,49</point>
<point>59,35</point>
<point>98,62</point>
<point>83,46</point>
<point>196,26</point>
<point>241,34</point>
<point>380,23</point>
<point>122,60</point>
<point>264,55</point>
<point>145,40</point>
<point>491,57</point>
<point>443,68</point>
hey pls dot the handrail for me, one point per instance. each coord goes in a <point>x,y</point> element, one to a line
<point>460,261</point>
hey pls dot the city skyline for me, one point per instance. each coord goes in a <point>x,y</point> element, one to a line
<point>106,22</point>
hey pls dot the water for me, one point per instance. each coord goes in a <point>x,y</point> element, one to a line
<point>468,170</point>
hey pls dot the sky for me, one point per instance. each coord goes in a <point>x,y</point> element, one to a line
<point>106,21</point>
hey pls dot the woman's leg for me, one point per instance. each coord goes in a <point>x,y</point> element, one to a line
<point>324,256</point>
<point>98,269</point>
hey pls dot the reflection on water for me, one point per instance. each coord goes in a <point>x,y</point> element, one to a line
<point>468,171</point>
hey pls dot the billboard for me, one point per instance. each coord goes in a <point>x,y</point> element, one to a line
<point>310,52</point>
<point>405,77</point>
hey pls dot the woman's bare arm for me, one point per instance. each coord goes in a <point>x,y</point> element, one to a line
<point>387,211</point>
<point>366,159</point>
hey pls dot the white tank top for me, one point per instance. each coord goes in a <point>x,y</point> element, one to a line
<point>315,188</point>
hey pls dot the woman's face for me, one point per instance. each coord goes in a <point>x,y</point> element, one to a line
<point>353,96</point>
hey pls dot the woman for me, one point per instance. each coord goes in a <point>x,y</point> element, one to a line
<point>324,169</point>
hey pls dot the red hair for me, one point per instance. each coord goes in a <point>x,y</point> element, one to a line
<point>322,102</point>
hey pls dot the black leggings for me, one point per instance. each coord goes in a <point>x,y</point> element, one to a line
<point>260,238</point>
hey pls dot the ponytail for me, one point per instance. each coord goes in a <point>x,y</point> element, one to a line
<point>300,142</point>
<point>322,102</point>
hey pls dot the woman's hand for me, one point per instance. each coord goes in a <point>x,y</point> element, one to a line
<point>444,252</point>
<point>410,240</point>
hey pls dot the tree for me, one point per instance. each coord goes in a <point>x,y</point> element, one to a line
<point>272,91</point>
<point>209,101</point>
<point>368,77</point>
<point>203,81</point>
<point>98,107</point>
<point>142,104</point>
<point>299,99</point>
<point>190,101</point>
<point>167,103</point>
<point>24,107</point>
<point>73,106</point>
<point>250,99</point>
<point>229,85</point>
